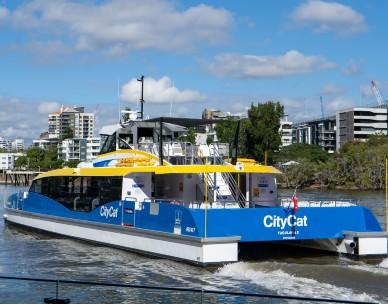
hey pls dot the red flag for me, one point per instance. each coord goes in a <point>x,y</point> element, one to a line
<point>294,200</point>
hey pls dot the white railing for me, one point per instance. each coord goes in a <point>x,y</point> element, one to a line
<point>287,203</point>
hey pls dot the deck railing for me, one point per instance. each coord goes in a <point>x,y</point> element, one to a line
<point>319,202</point>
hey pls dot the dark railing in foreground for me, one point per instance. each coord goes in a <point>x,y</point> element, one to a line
<point>200,291</point>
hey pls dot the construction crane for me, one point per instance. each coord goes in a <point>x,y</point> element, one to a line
<point>381,101</point>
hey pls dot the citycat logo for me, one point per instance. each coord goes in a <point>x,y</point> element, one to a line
<point>274,221</point>
<point>109,212</point>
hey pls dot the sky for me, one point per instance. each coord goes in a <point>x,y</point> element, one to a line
<point>194,54</point>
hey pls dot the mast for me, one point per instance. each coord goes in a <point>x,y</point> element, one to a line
<point>161,141</point>
<point>141,79</point>
<point>236,137</point>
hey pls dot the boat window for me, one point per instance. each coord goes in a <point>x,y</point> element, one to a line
<point>80,193</point>
<point>125,140</point>
<point>108,143</point>
<point>145,135</point>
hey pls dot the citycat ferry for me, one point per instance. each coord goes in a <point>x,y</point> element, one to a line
<point>150,193</point>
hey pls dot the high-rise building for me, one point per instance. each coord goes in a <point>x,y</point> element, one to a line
<point>81,123</point>
<point>319,132</point>
<point>17,144</point>
<point>285,131</point>
<point>360,123</point>
<point>79,149</point>
<point>5,144</point>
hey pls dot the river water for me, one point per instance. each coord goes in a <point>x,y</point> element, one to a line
<point>34,254</point>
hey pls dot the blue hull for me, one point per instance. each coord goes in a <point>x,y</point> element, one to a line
<point>252,225</point>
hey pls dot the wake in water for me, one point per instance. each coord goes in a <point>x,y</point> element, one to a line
<point>379,269</point>
<point>384,264</point>
<point>283,283</point>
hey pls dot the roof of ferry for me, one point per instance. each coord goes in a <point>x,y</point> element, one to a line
<point>181,169</point>
<point>185,122</point>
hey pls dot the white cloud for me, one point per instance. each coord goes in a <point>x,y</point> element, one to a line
<point>251,66</point>
<point>118,26</point>
<point>19,118</point>
<point>238,107</point>
<point>46,107</point>
<point>366,91</point>
<point>290,103</point>
<point>339,103</point>
<point>158,91</point>
<point>3,13</point>
<point>332,89</point>
<point>352,68</point>
<point>329,17</point>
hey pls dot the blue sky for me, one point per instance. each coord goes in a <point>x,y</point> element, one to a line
<point>194,54</point>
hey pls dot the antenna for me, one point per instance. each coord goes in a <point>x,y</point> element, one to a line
<point>141,97</point>
<point>171,101</point>
<point>322,112</point>
<point>118,99</point>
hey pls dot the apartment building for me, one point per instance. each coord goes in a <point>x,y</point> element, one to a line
<point>5,144</point>
<point>285,131</point>
<point>359,123</point>
<point>11,145</point>
<point>319,132</point>
<point>79,149</point>
<point>75,118</point>
<point>7,160</point>
<point>17,144</point>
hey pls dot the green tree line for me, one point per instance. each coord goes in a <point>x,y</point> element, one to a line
<point>37,158</point>
<point>358,165</point>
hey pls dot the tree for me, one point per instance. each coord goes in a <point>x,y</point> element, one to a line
<point>71,163</point>
<point>296,152</point>
<point>67,133</point>
<point>190,136</point>
<point>226,132</point>
<point>262,130</point>
<point>21,162</point>
<point>50,160</point>
<point>37,158</point>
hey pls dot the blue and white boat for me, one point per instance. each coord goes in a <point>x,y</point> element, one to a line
<point>148,193</point>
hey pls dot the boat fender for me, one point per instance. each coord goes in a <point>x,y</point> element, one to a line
<point>350,243</point>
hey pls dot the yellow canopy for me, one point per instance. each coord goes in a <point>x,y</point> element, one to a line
<point>179,169</point>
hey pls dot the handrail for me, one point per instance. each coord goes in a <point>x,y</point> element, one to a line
<point>228,177</point>
<point>180,289</point>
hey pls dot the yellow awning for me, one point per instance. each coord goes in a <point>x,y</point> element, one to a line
<point>180,169</point>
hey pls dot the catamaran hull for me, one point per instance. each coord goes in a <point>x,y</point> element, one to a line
<point>194,250</point>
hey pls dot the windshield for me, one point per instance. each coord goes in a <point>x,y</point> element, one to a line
<point>108,143</point>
